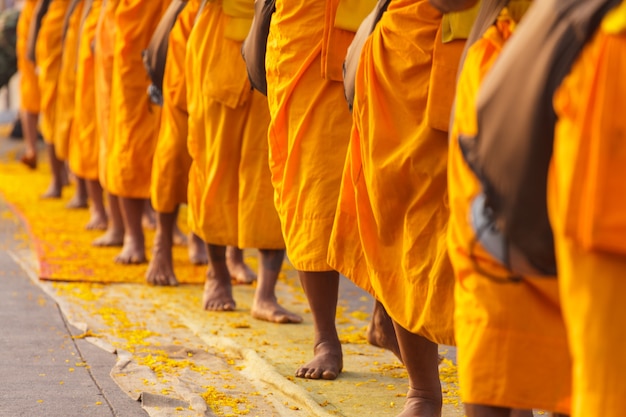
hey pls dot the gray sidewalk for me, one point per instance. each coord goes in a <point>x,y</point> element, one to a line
<point>44,371</point>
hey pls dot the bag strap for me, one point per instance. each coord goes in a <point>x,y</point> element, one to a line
<point>41,8</point>
<point>487,14</point>
<point>68,16</point>
<point>200,9</point>
<point>353,54</point>
<point>86,10</point>
<point>155,55</point>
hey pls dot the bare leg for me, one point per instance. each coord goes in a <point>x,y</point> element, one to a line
<point>59,176</point>
<point>381,332</point>
<point>29,131</point>
<point>265,305</point>
<point>218,290</point>
<point>321,289</point>
<point>99,218</point>
<point>148,218</point>
<point>134,249</point>
<point>476,410</point>
<point>161,267</point>
<point>79,200</point>
<point>179,238</point>
<point>421,358</point>
<point>239,271</point>
<point>197,250</point>
<point>114,236</point>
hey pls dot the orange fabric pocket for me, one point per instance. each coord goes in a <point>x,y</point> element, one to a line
<point>441,90</point>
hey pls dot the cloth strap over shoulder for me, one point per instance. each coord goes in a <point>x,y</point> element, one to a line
<point>516,121</point>
<point>351,62</point>
<point>41,8</point>
<point>68,15</point>
<point>487,14</point>
<point>254,46</point>
<point>155,55</point>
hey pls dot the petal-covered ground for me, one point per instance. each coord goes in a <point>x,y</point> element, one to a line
<point>64,246</point>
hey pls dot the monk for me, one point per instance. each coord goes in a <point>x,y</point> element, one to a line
<point>134,123</point>
<point>531,366</point>
<point>389,234</point>
<point>64,112</point>
<point>308,137</point>
<point>84,143</point>
<point>586,205</point>
<point>103,69</point>
<point>171,162</point>
<point>230,192</point>
<point>48,54</point>
<point>29,87</point>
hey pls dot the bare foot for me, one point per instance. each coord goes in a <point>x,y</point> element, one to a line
<point>97,222</point>
<point>160,270</point>
<point>197,250</point>
<point>53,191</point>
<point>178,237</point>
<point>218,293</point>
<point>327,362</point>
<point>110,238</point>
<point>381,332</point>
<point>270,310</point>
<point>418,405</point>
<point>241,273</point>
<point>30,160</point>
<point>77,202</point>
<point>132,253</point>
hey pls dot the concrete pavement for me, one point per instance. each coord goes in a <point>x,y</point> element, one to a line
<point>43,370</point>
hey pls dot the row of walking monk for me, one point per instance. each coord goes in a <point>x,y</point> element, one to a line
<point>381,194</point>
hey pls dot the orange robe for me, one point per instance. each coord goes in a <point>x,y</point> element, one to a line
<point>84,142</point>
<point>29,83</point>
<point>48,53</point>
<point>587,201</point>
<point>511,343</point>
<point>389,235</point>
<point>134,123</point>
<point>170,166</point>
<point>310,125</point>
<point>230,191</point>
<point>103,70</point>
<point>66,85</point>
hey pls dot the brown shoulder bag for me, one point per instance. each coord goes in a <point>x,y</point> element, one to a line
<point>354,51</point>
<point>255,45</point>
<point>155,55</point>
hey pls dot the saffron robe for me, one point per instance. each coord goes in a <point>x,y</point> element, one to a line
<point>389,235</point>
<point>134,124</point>
<point>29,83</point>
<point>230,192</point>
<point>84,141</point>
<point>48,53</point>
<point>310,124</point>
<point>170,166</point>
